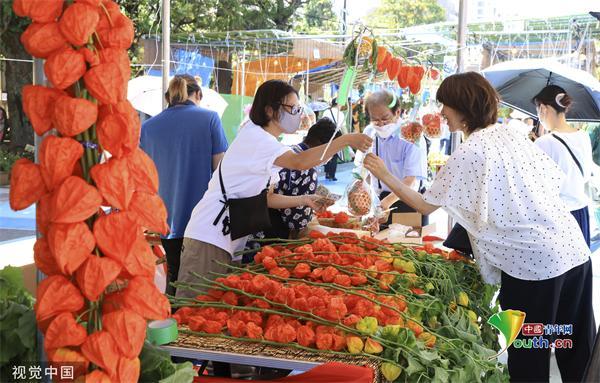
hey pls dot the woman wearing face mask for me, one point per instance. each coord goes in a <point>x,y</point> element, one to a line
<point>401,157</point>
<point>570,148</point>
<point>505,192</point>
<point>249,167</point>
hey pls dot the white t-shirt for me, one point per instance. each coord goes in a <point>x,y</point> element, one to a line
<point>246,167</point>
<point>505,192</point>
<point>573,187</point>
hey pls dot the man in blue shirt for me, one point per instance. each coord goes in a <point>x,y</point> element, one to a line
<point>186,143</point>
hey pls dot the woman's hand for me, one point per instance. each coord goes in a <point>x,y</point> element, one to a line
<point>376,166</point>
<point>312,201</point>
<point>358,141</point>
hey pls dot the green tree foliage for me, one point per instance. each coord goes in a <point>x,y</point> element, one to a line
<point>317,16</point>
<point>395,14</point>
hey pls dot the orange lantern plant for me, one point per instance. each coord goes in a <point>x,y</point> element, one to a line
<point>115,30</point>
<point>87,40</point>
<point>74,201</point>
<point>116,234</point>
<point>44,260</point>
<point>114,182</point>
<point>64,331</point>
<point>382,56</point>
<point>71,245</point>
<point>40,40</point>
<point>56,294</point>
<point>129,327</point>
<point>64,67</point>
<point>74,115</point>
<point>58,157</point>
<point>26,184</point>
<point>38,105</point>
<point>78,22</point>
<point>101,349</point>
<point>403,76</point>
<point>41,11</point>
<point>95,275</point>
<point>106,83</point>
<point>140,262</point>
<point>393,67</point>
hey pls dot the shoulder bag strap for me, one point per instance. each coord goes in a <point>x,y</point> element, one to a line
<point>224,200</point>
<point>377,154</point>
<point>570,152</point>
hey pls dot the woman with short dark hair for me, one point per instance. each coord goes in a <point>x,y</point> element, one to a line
<point>505,192</point>
<point>248,169</point>
<point>570,148</point>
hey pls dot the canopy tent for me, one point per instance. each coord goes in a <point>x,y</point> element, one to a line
<point>254,73</point>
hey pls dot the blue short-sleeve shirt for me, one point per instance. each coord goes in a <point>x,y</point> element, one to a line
<point>182,140</point>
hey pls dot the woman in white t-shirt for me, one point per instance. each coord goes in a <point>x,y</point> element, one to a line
<point>570,148</point>
<point>251,163</point>
<point>505,192</point>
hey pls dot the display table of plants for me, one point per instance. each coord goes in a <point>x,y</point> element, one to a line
<point>413,313</point>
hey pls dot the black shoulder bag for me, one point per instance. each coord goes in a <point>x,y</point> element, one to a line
<point>570,152</point>
<point>246,215</point>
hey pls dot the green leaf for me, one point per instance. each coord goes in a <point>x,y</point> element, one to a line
<point>11,282</point>
<point>155,364</point>
<point>184,373</point>
<point>429,356</point>
<point>413,365</point>
<point>441,376</point>
<point>27,329</point>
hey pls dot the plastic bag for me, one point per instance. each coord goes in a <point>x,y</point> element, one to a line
<point>361,198</point>
<point>432,124</point>
<point>411,131</point>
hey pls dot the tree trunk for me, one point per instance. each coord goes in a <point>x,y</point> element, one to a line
<point>17,74</point>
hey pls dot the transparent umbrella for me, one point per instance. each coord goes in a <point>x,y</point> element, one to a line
<point>146,95</point>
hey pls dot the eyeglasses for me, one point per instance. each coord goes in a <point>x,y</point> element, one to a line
<point>383,121</point>
<point>294,109</point>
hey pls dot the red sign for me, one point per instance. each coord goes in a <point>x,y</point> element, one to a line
<point>532,329</point>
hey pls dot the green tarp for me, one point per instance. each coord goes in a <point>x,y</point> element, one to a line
<point>234,114</point>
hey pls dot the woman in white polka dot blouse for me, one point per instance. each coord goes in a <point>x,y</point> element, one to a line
<point>505,192</point>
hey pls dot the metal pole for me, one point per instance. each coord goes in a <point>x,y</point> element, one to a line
<point>460,67</point>
<point>166,47</point>
<point>462,36</point>
<point>39,78</point>
<point>344,23</point>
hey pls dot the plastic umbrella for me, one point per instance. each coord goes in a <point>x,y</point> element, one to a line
<point>318,106</point>
<point>146,95</point>
<point>520,80</point>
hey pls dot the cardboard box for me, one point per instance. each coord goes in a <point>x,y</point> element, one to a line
<point>413,220</point>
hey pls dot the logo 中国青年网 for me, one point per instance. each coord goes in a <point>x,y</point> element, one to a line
<point>511,322</point>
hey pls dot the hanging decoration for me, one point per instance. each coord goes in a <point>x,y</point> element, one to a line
<point>100,290</point>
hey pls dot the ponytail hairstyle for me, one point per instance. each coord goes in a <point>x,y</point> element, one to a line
<point>554,96</point>
<point>182,87</point>
<point>383,97</point>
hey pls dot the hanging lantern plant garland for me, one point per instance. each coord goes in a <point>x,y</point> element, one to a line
<point>407,76</point>
<point>99,290</point>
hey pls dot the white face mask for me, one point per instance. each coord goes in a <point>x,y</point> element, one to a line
<point>386,131</point>
<point>290,123</point>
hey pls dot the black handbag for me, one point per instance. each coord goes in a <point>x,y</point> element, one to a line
<point>458,239</point>
<point>246,215</point>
